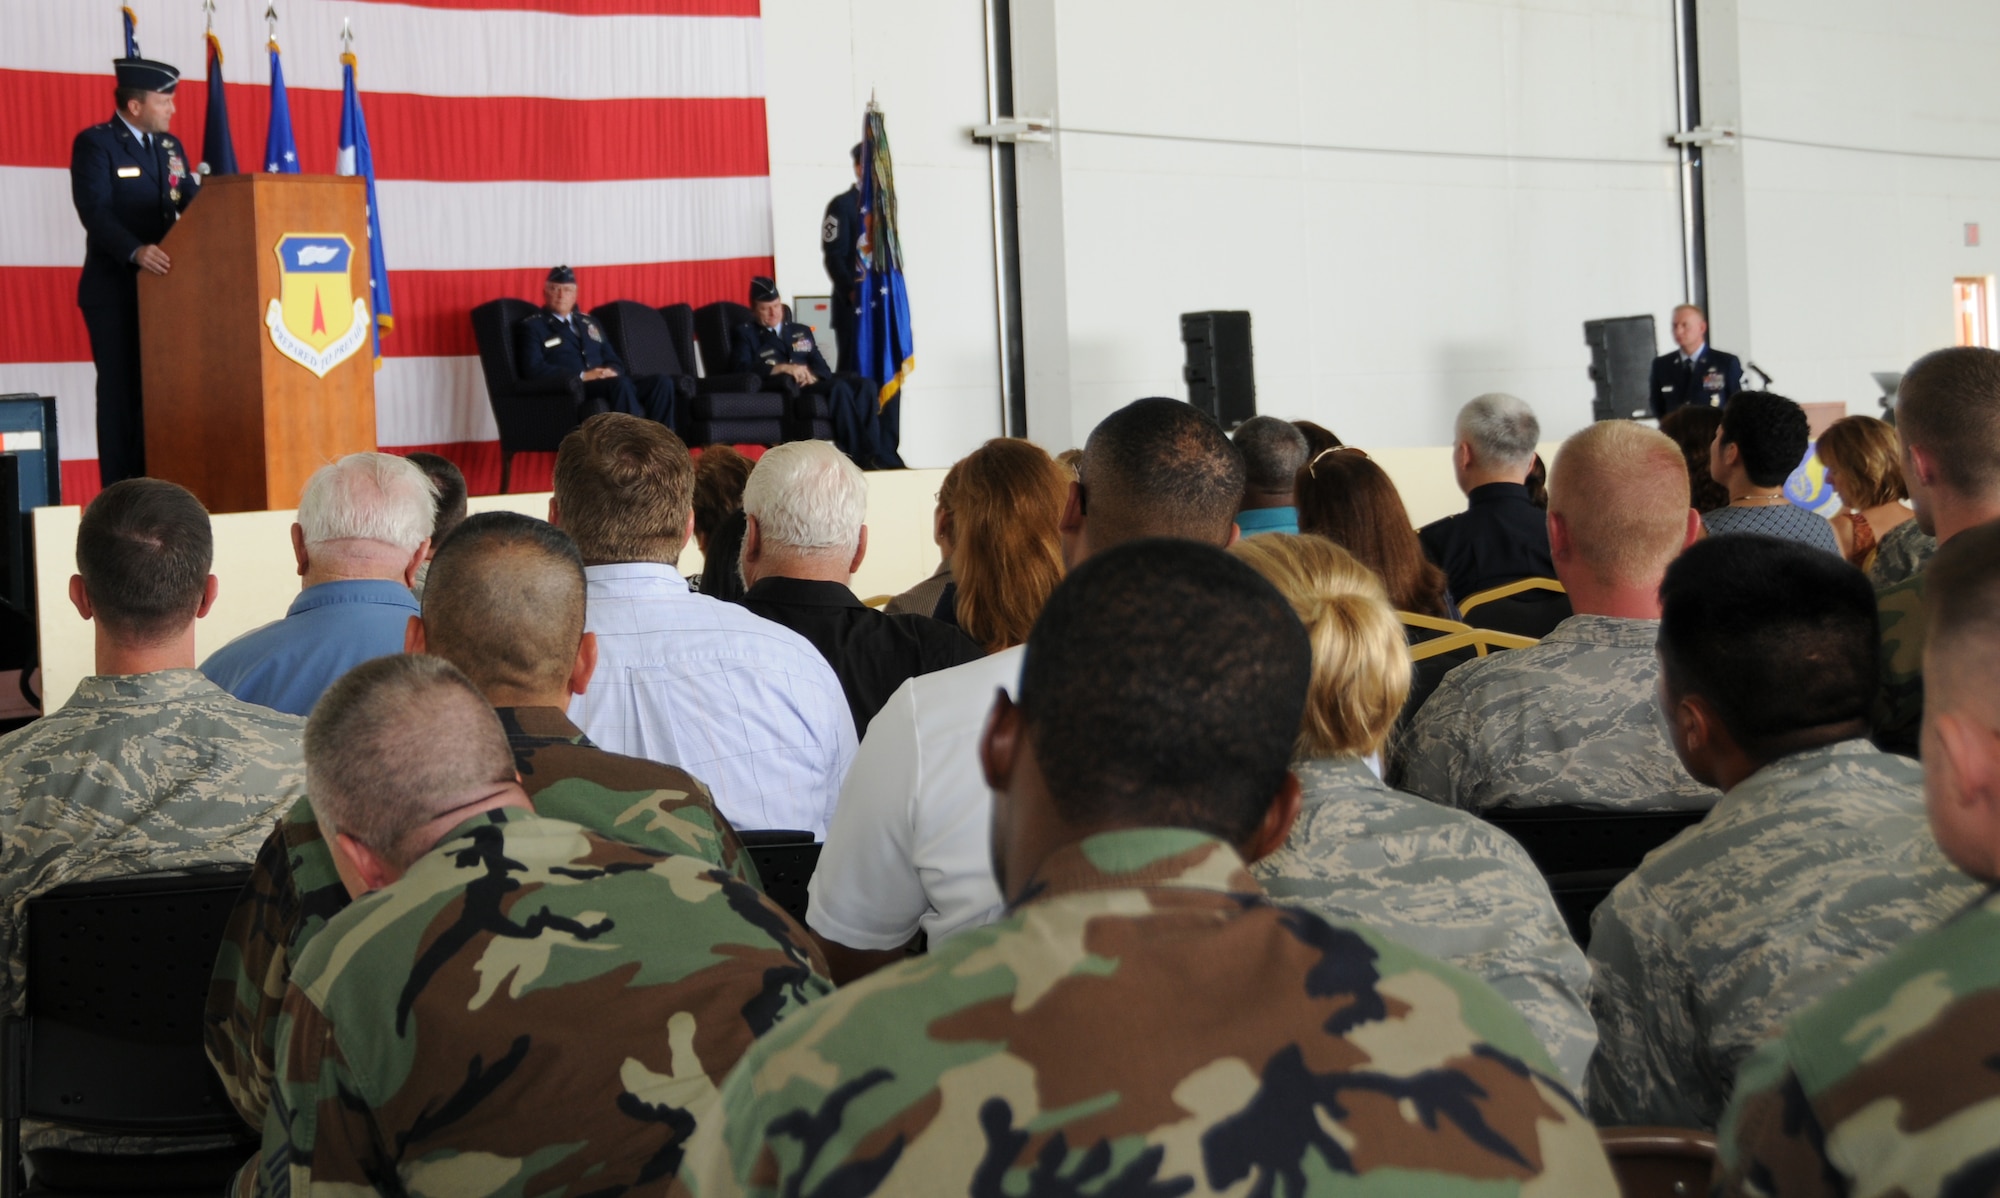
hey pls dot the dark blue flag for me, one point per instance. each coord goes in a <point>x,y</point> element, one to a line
<point>356,158</point>
<point>281,153</point>
<point>218,148</point>
<point>887,347</point>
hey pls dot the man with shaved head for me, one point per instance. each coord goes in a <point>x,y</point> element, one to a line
<point>909,849</point>
<point>1574,720</point>
<point>505,604</point>
<point>512,996</point>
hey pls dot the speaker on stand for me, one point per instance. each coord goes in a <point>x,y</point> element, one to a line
<point>1221,375</point>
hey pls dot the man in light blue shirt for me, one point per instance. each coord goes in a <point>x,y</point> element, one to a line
<point>1273,453</point>
<point>745,704</point>
<point>364,529</point>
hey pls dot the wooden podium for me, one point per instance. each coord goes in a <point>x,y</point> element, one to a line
<point>252,376</point>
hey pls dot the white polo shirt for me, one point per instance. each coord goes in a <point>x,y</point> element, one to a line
<point>910,845</point>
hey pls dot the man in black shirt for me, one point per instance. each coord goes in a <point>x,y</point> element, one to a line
<point>1501,536</point>
<point>803,539</point>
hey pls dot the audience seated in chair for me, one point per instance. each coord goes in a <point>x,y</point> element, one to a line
<point>560,342</point>
<point>1145,1018</point>
<point>720,474</point>
<point>1002,507</point>
<point>1884,1086</point>
<point>1574,721</point>
<point>449,510</point>
<point>1274,451</point>
<point>1346,498</point>
<point>511,995</point>
<point>1501,535</point>
<point>746,705</point>
<point>506,608</point>
<point>1761,440</point>
<point>364,530</point>
<point>910,848</point>
<point>1948,416</point>
<point>803,539</point>
<point>1692,426</point>
<point>149,767</point>
<point>1815,862</point>
<point>1439,881</point>
<point>1860,456</point>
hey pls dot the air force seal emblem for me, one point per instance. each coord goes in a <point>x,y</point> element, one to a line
<point>316,320</point>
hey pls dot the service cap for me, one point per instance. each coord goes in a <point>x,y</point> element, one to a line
<point>561,274</point>
<point>762,290</point>
<point>147,75</point>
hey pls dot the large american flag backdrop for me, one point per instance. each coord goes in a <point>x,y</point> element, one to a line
<point>625,138</point>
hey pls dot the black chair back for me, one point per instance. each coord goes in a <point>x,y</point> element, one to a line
<point>493,328</point>
<point>1584,854</point>
<point>532,416</point>
<point>715,326</point>
<point>110,1037</point>
<point>680,327</point>
<point>1530,613</point>
<point>641,337</point>
<point>785,861</point>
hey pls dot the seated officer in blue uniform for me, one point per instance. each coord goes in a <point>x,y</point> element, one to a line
<point>130,181</point>
<point>560,342</point>
<point>787,356</point>
<point>1694,373</point>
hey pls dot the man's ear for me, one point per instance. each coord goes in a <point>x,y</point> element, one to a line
<point>370,872</point>
<point>1561,546</point>
<point>753,540</point>
<point>1923,465</point>
<point>1461,455</point>
<point>860,551</point>
<point>585,666</point>
<point>80,597</point>
<point>555,516</point>
<point>1277,824</point>
<point>414,637</point>
<point>209,590</point>
<point>1000,742</point>
<point>1974,754</point>
<point>299,549</point>
<point>1694,528</point>
<point>1072,514</point>
<point>416,563</point>
<point>1235,534</point>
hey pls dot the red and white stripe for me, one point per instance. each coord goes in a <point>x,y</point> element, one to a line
<point>625,138</point>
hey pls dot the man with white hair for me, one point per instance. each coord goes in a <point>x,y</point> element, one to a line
<point>803,540</point>
<point>364,529</point>
<point>1501,536</point>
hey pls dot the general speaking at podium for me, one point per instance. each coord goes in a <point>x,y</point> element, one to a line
<point>130,181</point>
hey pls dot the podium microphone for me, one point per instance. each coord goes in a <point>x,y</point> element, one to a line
<point>1761,372</point>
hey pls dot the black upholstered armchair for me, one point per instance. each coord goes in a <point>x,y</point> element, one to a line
<point>806,416</point>
<point>728,408</point>
<point>533,415</point>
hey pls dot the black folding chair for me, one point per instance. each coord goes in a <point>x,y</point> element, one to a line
<point>1584,854</point>
<point>110,1037</point>
<point>785,860</point>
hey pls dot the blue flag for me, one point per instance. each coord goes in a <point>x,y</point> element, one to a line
<point>357,159</point>
<point>887,348</point>
<point>131,34</point>
<point>281,153</point>
<point>218,149</point>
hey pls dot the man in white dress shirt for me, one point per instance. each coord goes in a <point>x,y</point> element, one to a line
<point>747,705</point>
<point>910,845</point>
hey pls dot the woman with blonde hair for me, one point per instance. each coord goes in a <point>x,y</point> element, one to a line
<point>1436,879</point>
<point>999,508</point>
<point>1863,462</point>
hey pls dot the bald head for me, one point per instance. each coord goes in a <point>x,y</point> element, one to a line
<point>504,603</point>
<point>1159,468</point>
<point>397,743</point>
<point>1621,491</point>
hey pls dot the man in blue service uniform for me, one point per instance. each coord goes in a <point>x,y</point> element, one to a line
<point>130,181</point>
<point>839,234</point>
<point>560,342</point>
<point>786,355</point>
<point>1693,373</point>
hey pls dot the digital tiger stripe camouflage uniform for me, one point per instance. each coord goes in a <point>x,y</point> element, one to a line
<point>1147,1022</point>
<point>294,889</point>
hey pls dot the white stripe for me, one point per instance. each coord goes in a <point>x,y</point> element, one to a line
<point>74,384</point>
<point>421,51</point>
<point>431,401</point>
<point>473,226</point>
<point>418,401</point>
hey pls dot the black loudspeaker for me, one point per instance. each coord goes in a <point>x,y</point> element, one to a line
<point>1622,349</point>
<point>1221,376</point>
